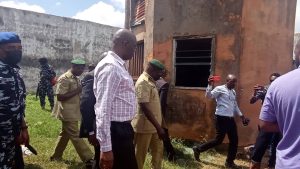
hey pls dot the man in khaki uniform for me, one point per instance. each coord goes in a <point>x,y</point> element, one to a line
<point>67,109</point>
<point>148,119</point>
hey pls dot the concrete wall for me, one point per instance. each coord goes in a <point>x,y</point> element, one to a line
<point>190,114</point>
<point>252,39</point>
<point>268,32</point>
<point>57,38</point>
<point>296,40</point>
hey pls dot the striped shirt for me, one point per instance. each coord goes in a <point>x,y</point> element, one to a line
<point>115,97</point>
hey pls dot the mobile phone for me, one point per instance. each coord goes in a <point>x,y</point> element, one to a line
<point>216,78</point>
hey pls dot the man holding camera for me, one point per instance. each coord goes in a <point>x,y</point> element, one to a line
<point>264,139</point>
<point>226,109</point>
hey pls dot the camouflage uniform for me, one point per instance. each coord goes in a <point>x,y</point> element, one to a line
<point>12,109</point>
<point>45,86</point>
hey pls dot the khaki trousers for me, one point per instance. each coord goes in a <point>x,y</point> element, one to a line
<point>151,141</point>
<point>70,132</point>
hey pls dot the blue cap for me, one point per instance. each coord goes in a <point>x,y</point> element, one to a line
<point>9,37</point>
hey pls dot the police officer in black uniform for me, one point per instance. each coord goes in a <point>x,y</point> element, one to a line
<point>45,84</point>
<point>13,129</point>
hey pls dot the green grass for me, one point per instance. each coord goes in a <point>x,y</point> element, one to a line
<point>44,130</point>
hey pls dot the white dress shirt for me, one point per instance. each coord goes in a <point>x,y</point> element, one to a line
<point>226,100</point>
<point>115,97</point>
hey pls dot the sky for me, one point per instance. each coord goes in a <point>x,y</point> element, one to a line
<point>108,12</point>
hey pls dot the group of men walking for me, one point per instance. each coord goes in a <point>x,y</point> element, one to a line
<point>106,101</point>
<point>123,120</point>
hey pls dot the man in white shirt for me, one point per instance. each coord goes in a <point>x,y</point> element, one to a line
<point>226,109</point>
<point>116,104</point>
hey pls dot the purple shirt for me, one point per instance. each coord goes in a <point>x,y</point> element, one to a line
<point>282,105</point>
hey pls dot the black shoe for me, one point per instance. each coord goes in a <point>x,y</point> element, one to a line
<point>231,165</point>
<point>171,156</point>
<point>196,153</point>
<point>89,164</point>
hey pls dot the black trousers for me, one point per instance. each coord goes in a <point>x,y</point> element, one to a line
<point>18,161</point>
<point>122,145</point>
<point>46,90</point>
<point>263,141</point>
<point>96,157</point>
<point>224,125</point>
<point>168,146</point>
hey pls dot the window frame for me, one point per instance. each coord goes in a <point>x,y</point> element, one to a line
<point>212,64</point>
<point>135,77</point>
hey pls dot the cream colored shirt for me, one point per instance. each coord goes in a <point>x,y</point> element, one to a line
<point>146,92</point>
<point>68,110</point>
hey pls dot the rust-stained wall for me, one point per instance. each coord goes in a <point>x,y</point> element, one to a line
<point>244,32</point>
<point>268,31</point>
<point>190,114</point>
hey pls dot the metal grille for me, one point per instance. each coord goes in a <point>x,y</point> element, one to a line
<point>136,64</point>
<point>193,62</point>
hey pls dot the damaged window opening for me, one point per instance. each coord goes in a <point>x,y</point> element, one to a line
<point>193,62</point>
<point>139,15</point>
<point>136,64</point>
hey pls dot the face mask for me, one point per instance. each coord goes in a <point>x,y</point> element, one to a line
<point>13,57</point>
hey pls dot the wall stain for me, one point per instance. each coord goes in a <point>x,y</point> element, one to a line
<point>55,38</point>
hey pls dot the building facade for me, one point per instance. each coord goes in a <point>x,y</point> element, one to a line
<point>198,38</point>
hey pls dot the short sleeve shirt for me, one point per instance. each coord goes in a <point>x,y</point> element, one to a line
<point>282,105</point>
<point>68,110</point>
<point>146,92</point>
